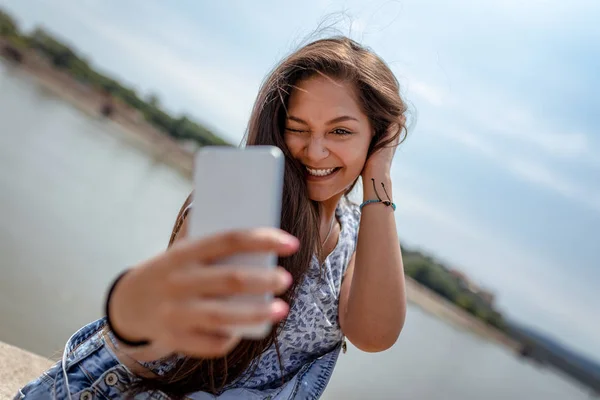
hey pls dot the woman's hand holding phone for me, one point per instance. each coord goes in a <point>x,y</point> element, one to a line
<point>179,301</point>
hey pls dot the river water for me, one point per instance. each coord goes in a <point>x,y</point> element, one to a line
<point>78,204</point>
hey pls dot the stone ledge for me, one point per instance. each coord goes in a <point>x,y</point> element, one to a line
<point>17,367</point>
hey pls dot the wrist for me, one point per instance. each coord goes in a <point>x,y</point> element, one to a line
<point>376,172</point>
<point>121,322</point>
<point>380,177</point>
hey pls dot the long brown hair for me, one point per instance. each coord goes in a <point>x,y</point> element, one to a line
<point>378,91</point>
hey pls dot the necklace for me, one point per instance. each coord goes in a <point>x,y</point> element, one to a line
<point>328,233</point>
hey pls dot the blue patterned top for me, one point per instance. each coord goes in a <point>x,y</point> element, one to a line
<point>312,327</point>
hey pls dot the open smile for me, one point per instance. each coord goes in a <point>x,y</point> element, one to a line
<point>321,173</point>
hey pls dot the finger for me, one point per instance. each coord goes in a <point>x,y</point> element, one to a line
<point>201,344</point>
<point>229,280</point>
<point>221,315</point>
<point>214,247</point>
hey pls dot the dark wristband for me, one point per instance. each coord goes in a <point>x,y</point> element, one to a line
<point>110,326</point>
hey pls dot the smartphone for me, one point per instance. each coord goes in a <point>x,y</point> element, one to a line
<point>238,188</point>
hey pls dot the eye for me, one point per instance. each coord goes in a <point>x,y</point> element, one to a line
<point>341,132</point>
<point>295,130</point>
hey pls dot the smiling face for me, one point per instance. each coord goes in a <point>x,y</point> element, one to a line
<point>327,131</point>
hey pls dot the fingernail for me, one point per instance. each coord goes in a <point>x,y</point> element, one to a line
<point>289,240</point>
<point>279,308</point>
<point>286,278</point>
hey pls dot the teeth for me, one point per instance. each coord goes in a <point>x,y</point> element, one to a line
<point>320,172</point>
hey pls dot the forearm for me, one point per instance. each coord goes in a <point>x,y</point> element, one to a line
<point>377,302</point>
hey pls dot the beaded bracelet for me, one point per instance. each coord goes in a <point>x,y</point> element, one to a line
<point>387,202</point>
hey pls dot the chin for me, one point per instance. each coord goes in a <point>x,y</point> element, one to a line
<point>319,198</point>
<point>321,195</point>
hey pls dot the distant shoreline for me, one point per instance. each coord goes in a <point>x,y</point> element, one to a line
<point>167,150</point>
<point>132,124</point>
<point>434,304</point>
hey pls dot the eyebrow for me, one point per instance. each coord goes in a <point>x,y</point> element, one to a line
<point>333,121</point>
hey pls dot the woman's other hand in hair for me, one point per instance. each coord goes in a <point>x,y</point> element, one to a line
<point>379,163</point>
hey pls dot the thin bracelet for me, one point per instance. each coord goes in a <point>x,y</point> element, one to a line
<point>387,203</point>
<point>110,326</point>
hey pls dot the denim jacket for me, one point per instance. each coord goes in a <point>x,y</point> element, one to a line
<point>94,372</point>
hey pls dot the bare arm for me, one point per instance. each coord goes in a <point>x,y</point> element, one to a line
<point>372,300</point>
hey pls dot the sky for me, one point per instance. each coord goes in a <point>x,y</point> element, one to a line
<point>500,174</point>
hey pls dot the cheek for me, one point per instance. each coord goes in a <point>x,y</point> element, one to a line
<point>356,155</point>
<point>354,162</point>
<point>293,143</point>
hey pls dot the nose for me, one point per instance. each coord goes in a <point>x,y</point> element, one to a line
<point>316,150</point>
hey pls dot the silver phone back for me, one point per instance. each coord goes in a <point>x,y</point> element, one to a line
<point>236,189</point>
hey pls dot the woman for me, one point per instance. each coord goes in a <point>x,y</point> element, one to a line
<point>334,109</point>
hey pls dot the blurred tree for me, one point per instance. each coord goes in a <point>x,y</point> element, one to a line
<point>466,301</point>
<point>153,100</point>
<point>438,278</point>
<point>59,54</point>
<point>8,26</point>
<point>496,320</point>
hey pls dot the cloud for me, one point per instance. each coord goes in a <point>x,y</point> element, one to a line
<point>546,13</point>
<point>506,119</point>
<point>502,137</point>
<point>429,93</point>
<point>524,169</point>
<point>518,124</point>
<point>532,89</point>
<point>469,140</point>
<point>541,175</point>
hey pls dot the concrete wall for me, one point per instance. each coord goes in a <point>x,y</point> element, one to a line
<point>17,367</point>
